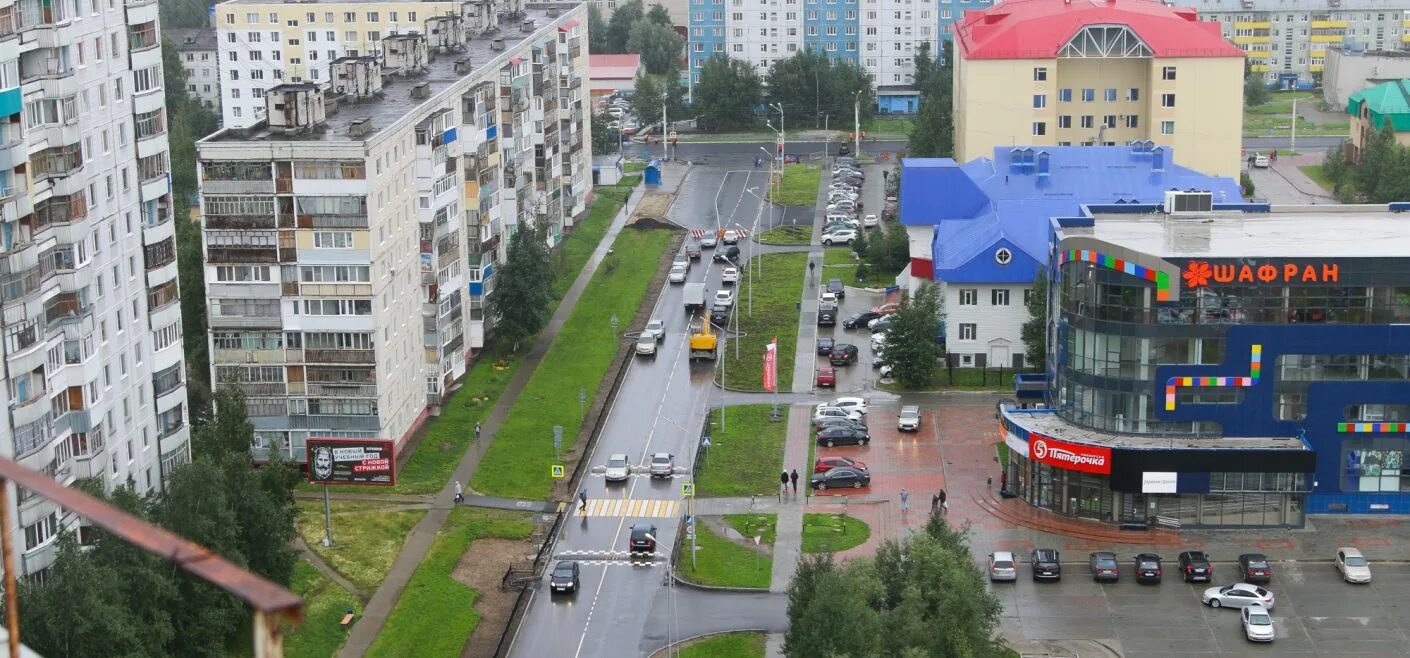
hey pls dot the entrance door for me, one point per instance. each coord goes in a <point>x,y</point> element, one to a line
<point>999,353</point>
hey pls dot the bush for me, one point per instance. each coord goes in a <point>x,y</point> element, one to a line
<point>1246,182</point>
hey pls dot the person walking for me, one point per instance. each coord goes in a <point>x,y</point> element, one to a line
<point>782,485</point>
<point>944,503</point>
<point>459,495</point>
<point>935,503</point>
<point>905,501</point>
<point>582,499</point>
<point>793,477</point>
<point>477,431</point>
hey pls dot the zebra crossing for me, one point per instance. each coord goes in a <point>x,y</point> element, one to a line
<point>610,557</point>
<point>629,507</point>
<point>698,233</point>
<point>644,474</point>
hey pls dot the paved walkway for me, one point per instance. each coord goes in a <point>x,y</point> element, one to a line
<point>788,541</point>
<point>419,540</point>
<point>805,351</point>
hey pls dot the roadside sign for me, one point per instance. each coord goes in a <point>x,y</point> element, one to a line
<point>688,489</point>
<point>758,539</point>
<point>351,461</point>
<point>559,472</point>
<point>557,438</point>
<point>705,442</point>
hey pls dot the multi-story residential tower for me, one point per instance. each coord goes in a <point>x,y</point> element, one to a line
<point>352,232</point>
<point>1048,73</point>
<point>93,367</point>
<point>199,56</point>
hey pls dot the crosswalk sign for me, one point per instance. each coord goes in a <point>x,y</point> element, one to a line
<point>687,489</point>
<point>559,472</point>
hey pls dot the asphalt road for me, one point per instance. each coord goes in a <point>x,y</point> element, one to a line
<point>1304,144</point>
<point>660,407</point>
<point>741,154</point>
<point>1315,613</point>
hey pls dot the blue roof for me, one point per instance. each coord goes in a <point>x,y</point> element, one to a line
<point>988,204</point>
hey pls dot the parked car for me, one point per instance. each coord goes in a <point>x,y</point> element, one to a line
<point>1003,566</point>
<point>643,538</point>
<point>656,328</point>
<point>728,254</point>
<point>564,577</point>
<point>1046,564</point>
<point>678,273</point>
<point>842,477</point>
<point>1353,566</point>
<point>825,345</point>
<point>692,250</point>
<point>1104,566</point>
<point>663,465</point>
<point>618,468</point>
<point>881,324</point>
<point>886,309</point>
<point>850,423</point>
<point>823,412</point>
<point>843,435</point>
<point>853,403</point>
<point>827,314</point>
<point>1261,161</point>
<point>646,345</point>
<point>827,297</point>
<point>826,377</point>
<point>1147,568</point>
<point>730,275</point>
<point>731,236</point>
<point>1238,595</point>
<point>724,296</point>
<point>844,236</point>
<point>878,341</point>
<point>1254,568</point>
<point>709,241</point>
<point>836,287</point>
<point>859,319</point>
<point>1194,565</point>
<point>843,354</point>
<point>909,419</point>
<point>1258,624</point>
<point>870,221</point>
<point>825,464</point>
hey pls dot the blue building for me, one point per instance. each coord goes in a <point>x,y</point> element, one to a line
<point>1221,365</point>
<point>981,228</point>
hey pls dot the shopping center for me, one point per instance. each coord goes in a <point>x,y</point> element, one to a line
<point>1221,366</point>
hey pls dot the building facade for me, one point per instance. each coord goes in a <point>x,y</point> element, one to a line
<point>196,48</point>
<point>1350,69</point>
<point>352,234</point>
<point>94,372</point>
<point>1383,106</point>
<point>1062,74</point>
<point>1234,367</point>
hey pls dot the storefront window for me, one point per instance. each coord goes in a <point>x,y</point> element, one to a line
<point>1378,468</point>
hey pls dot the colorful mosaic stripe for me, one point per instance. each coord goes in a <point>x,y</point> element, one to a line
<point>1369,428</point>
<point>1255,370</point>
<point>1161,279</point>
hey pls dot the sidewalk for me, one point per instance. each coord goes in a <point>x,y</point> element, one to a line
<point>788,542</point>
<point>419,540</point>
<point>805,351</point>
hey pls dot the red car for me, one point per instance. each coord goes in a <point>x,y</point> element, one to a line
<point>827,376</point>
<point>887,309</point>
<point>825,464</point>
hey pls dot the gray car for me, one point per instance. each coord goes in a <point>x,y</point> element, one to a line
<point>618,468</point>
<point>663,465</point>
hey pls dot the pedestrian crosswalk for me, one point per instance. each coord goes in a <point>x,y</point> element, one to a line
<point>645,475</point>
<point>700,233</point>
<point>629,507</point>
<point>613,557</point>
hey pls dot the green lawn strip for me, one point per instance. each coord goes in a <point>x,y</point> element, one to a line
<point>764,526</point>
<point>887,125</point>
<point>776,297</point>
<point>838,256</point>
<point>517,464</point>
<point>578,247</point>
<point>728,645</point>
<point>633,167</point>
<point>321,633</point>
<point>724,563</point>
<point>1003,449</point>
<point>1315,173</point>
<point>824,533</point>
<point>630,180</point>
<point>435,614</point>
<point>973,379</point>
<point>799,186</point>
<point>745,457</point>
<point>788,234</point>
<point>365,541</point>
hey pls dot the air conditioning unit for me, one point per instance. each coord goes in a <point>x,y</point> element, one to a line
<point>1181,203</point>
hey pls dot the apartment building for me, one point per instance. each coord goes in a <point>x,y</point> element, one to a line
<point>93,365</point>
<point>352,232</point>
<point>676,9</point>
<point>1287,40</point>
<point>196,48</point>
<point>1049,73</point>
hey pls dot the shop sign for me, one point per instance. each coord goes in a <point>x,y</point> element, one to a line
<point>1069,456</point>
<point>1199,274</point>
<point>1158,482</point>
<point>351,461</point>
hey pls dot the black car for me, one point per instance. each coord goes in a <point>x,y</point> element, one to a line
<point>1254,568</point>
<point>841,477</point>
<point>1147,568</point>
<point>859,319</point>
<point>729,253</point>
<point>1104,566</point>
<point>1046,564</point>
<point>844,150</point>
<point>832,436</point>
<point>643,538</point>
<point>564,577</point>
<point>825,345</point>
<point>827,315</point>
<point>843,354</point>
<point>859,424</point>
<point>1194,565</point>
<point>883,323</point>
<point>692,249</point>
<point>719,314</point>
<point>835,287</point>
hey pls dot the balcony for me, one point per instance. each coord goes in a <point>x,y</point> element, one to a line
<point>240,254</point>
<point>160,254</point>
<point>342,390</point>
<point>249,356</point>
<point>161,296</point>
<point>340,356</point>
<point>57,162</point>
<point>257,389</point>
<point>67,307</point>
<point>142,37</point>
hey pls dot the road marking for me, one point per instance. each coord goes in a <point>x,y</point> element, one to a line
<point>630,508</point>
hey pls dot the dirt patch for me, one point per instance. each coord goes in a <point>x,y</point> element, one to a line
<point>482,567</point>
<point>653,205</point>
<point>724,530</point>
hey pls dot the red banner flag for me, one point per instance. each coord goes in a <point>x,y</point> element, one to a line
<point>771,366</point>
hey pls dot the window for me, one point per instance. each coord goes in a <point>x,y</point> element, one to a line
<point>1064,121</point>
<point>337,307</point>
<point>1040,74</point>
<point>968,330</point>
<point>1040,101</point>
<point>333,240</point>
<point>1133,94</point>
<point>41,532</point>
<point>1040,128</point>
<point>1133,121</point>
<point>1167,73</point>
<point>1088,121</point>
<point>1167,127</point>
<point>1167,100</point>
<point>1109,121</point>
<point>1064,95</point>
<point>1089,95</point>
<point>969,297</point>
<point>999,297</point>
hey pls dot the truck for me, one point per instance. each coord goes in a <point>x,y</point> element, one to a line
<point>694,297</point>
<point>704,342</point>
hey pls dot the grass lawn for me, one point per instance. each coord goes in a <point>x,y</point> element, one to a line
<point>788,234</point>
<point>365,541</point>
<point>989,379</point>
<point>435,614</point>
<point>633,167</point>
<point>750,525</point>
<point>725,563</point>
<point>824,533</point>
<point>1276,115</point>
<point>728,645</point>
<point>780,290</point>
<point>745,459</point>
<point>518,462</point>
<point>325,603</point>
<point>838,262</point>
<point>1315,173</point>
<point>576,250</point>
<point>840,256</point>
<point>1003,455</point>
<point>800,185</point>
<point>888,125</point>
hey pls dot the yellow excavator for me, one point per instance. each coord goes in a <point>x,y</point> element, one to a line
<point>703,340</point>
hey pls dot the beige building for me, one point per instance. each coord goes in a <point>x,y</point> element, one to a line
<point>1038,72</point>
<point>200,57</point>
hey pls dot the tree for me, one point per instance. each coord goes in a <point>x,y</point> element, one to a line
<point>1336,169</point>
<point>1034,332</point>
<point>619,27</point>
<point>597,31</point>
<point>604,139</point>
<point>809,85</point>
<point>1377,161</point>
<point>521,300</point>
<point>889,250</point>
<point>727,94</point>
<point>933,134</point>
<point>658,44</point>
<point>1255,89</point>
<point>651,92</point>
<point>912,343</point>
<point>659,15</point>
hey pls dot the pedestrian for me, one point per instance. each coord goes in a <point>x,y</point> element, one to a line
<point>905,501</point>
<point>459,495</point>
<point>944,502</point>
<point>1003,482</point>
<point>793,477</point>
<point>477,431</point>
<point>782,484</point>
<point>582,499</point>
<point>935,503</point>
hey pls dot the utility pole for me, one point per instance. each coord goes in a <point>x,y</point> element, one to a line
<point>665,134</point>
<point>1293,145</point>
<point>856,124</point>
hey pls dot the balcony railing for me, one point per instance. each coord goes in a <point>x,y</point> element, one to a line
<point>340,356</point>
<point>257,389</point>
<point>342,390</point>
<point>242,255</point>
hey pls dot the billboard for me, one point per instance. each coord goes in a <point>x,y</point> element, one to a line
<point>351,461</point>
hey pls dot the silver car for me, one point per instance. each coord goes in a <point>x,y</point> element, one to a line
<point>678,273</point>
<point>1238,595</point>
<point>618,468</point>
<point>1002,566</point>
<point>1353,566</point>
<point>1258,624</point>
<point>646,344</point>
<point>656,328</point>
<point>909,420</point>
<point>663,465</point>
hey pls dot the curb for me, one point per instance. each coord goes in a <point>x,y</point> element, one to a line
<point>715,588</point>
<point>681,642</point>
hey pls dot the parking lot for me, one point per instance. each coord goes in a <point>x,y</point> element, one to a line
<point>1316,614</point>
<point>860,377</point>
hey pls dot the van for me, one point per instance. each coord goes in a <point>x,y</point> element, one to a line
<point>838,217</point>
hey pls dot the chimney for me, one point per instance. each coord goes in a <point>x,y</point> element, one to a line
<point>462,65</point>
<point>360,128</point>
<point>422,90</point>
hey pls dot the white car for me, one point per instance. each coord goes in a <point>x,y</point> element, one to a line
<point>909,420</point>
<point>870,221</point>
<point>708,241</point>
<point>842,206</point>
<point>731,236</point>
<point>878,341</point>
<point>1238,595</point>
<point>1258,624</point>
<point>1261,161</point>
<point>858,405</point>
<point>838,217</point>
<point>677,274</point>
<point>824,412</point>
<point>723,296</point>
<point>845,236</point>
<point>1353,566</point>
<point>616,113</point>
<point>646,345</point>
<point>1002,566</point>
<point>730,275</point>
<point>656,329</point>
<point>618,468</point>
<point>827,298</point>
<point>614,125</point>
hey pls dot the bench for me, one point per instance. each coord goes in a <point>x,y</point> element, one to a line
<point>347,620</point>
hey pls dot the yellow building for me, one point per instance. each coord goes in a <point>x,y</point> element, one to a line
<point>1043,72</point>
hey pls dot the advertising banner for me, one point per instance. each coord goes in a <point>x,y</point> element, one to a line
<point>1158,482</point>
<point>351,461</point>
<point>1069,456</point>
<point>771,366</point>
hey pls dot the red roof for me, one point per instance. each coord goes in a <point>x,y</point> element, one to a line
<point>1038,29</point>
<point>613,67</point>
